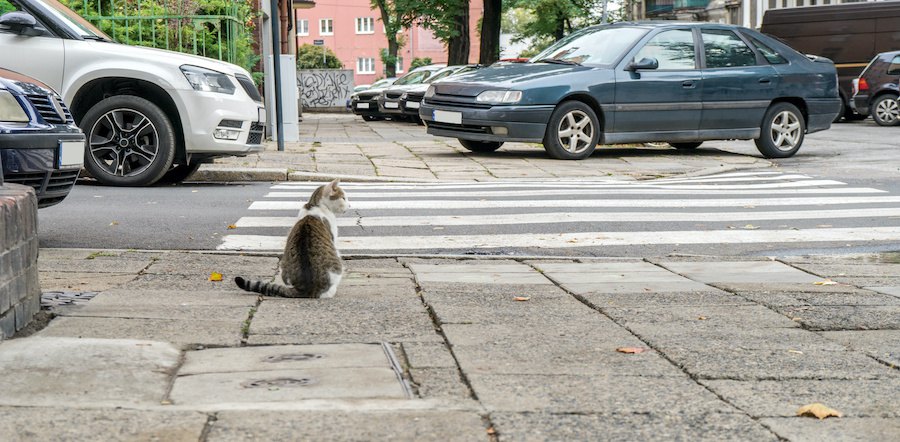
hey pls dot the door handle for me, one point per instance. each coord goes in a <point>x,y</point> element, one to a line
<point>688,84</point>
<point>765,80</point>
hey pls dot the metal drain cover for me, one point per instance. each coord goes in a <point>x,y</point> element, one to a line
<point>278,382</point>
<point>292,357</point>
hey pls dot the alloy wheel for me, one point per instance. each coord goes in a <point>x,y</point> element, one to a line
<point>124,142</point>
<point>786,130</point>
<point>575,132</point>
<point>888,111</point>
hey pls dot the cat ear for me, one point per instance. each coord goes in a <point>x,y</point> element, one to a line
<point>332,186</point>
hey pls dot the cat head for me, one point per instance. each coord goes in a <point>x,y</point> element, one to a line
<point>330,196</point>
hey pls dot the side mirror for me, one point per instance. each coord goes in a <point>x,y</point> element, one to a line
<point>644,63</point>
<point>19,22</point>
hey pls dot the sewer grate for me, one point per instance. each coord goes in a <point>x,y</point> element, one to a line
<point>57,299</point>
<point>278,382</point>
<point>292,357</point>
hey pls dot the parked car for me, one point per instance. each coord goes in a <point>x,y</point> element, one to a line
<point>411,96</point>
<point>40,145</point>
<point>149,114</point>
<point>365,102</point>
<point>389,99</point>
<point>877,89</point>
<point>642,82</point>
<point>380,84</point>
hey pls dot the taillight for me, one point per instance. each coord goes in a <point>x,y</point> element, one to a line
<point>863,85</point>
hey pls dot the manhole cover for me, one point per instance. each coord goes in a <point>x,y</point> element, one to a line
<point>292,357</point>
<point>278,382</point>
<point>55,299</point>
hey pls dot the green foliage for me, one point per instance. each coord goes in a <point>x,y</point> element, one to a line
<point>419,62</point>
<point>542,22</point>
<point>387,59</point>
<point>310,57</point>
<point>440,16</point>
<point>6,6</point>
<point>221,29</point>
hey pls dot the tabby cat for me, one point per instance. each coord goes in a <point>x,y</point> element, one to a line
<point>311,265</point>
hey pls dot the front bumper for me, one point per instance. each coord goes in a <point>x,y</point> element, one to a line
<point>36,159</point>
<point>389,106</point>
<point>411,106</point>
<point>520,123</point>
<point>365,108</point>
<point>204,112</point>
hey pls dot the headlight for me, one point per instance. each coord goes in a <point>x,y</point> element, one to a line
<point>354,97</point>
<point>10,109</point>
<point>430,92</point>
<point>499,97</point>
<point>206,80</point>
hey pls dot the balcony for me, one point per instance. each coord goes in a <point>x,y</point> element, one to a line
<point>691,4</point>
<point>659,7</point>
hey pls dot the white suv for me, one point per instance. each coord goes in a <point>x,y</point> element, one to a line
<point>148,114</point>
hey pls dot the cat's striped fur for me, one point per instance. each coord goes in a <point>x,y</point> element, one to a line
<point>311,266</point>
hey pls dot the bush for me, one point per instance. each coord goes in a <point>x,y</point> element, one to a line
<point>310,57</point>
<point>419,62</point>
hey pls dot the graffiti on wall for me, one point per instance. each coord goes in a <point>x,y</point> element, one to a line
<point>325,87</point>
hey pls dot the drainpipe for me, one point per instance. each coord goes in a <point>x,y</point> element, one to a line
<point>275,20</point>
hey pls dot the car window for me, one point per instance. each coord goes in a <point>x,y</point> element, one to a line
<point>768,53</point>
<point>724,49</point>
<point>672,49</point>
<point>894,67</point>
<point>413,78</point>
<point>592,46</point>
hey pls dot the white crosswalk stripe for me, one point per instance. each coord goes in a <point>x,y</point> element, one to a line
<point>567,214</point>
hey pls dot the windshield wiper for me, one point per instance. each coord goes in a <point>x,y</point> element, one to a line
<point>94,37</point>
<point>558,61</point>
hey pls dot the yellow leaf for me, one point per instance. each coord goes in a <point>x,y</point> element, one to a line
<point>818,410</point>
<point>232,226</point>
<point>215,276</point>
<point>114,223</point>
<point>521,298</point>
<point>750,227</point>
<point>702,318</point>
<point>825,282</point>
<point>631,350</point>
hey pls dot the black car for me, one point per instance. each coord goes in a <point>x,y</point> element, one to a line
<point>40,145</point>
<point>876,90</point>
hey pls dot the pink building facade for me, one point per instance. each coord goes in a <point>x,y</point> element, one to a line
<point>354,31</point>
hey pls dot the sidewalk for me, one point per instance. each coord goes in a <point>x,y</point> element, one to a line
<point>343,145</point>
<point>145,347</point>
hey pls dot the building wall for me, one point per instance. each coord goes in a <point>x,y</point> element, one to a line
<point>349,45</point>
<point>748,13</point>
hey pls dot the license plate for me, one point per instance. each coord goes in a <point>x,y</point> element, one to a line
<point>71,153</point>
<point>391,105</point>
<point>362,105</point>
<point>412,105</point>
<point>447,117</point>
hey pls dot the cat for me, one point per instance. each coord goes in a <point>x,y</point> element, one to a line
<point>311,266</point>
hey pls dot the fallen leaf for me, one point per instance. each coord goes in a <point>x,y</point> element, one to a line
<point>702,318</point>
<point>232,226</point>
<point>215,276</point>
<point>572,240</point>
<point>165,402</point>
<point>818,410</point>
<point>824,225</point>
<point>825,282</point>
<point>491,431</point>
<point>749,206</point>
<point>631,350</point>
<point>521,298</point>
<point>795,351</point>
<point>750,227</point>
<point>114,223</point>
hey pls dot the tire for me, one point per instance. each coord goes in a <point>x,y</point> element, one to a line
<point>178,173</point>
<point>370,118</point>
<point>885,110</point>
<point>686,146</point>
<point>481,146</point>
<point>782,131</point>
<point>572,132</point>
<point>131,141</point>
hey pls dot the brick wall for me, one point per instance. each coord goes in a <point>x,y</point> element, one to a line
<point>20,292</point>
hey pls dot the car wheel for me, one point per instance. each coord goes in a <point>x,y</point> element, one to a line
<point>179,173</point>
<point>885,110</point>
<point>481,146</point>
<point>131,141</point>
<point>572,132</point>
<point>686,146</point>
<point>369,117</point>
<point>782,131</point>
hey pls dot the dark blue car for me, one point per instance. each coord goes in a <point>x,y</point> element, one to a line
<point>40,145</point>
<point>681,83</point>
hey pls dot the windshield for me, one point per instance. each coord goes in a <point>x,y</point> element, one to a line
<point>413,78</point>
<point>594,46</point>
<point>71,20</point>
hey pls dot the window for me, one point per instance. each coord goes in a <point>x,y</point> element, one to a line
<point>365,65</point>
<point>768,53</point>
<point>399,68</point>
<point>724,49</point>
<point>672,49</point>
<point>326,26</point>
<point>365,25</point>
<point>302,27</point>
<point>894,68</point>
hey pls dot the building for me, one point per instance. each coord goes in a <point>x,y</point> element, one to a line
<point>747,13</point>
<point>354,31</point>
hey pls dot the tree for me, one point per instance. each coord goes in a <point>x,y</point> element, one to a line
<point>311,57</point>
<point>395,15</point>
<point>546,21</point>
<point>448,20</point>
<point>490,32</point>
<point>419,62</point>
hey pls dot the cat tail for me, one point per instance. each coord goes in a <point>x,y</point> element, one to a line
<point>270,288</point>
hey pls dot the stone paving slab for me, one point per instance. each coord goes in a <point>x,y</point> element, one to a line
<point>505,307</point>
<point>701,318</point>
<point>784,299</point>
<point>890,290</point>
<point>649,287</point>
<point>463,426</point>
<point>603,299</point>
<point>869,281</point>
<point>740,272</point>
<point>714,340</point>
<point>863,398</point>
<point>598,393</point>
<point>197,281</point>
<point>83,282</point>
<point>845,317</point>
<point>85,372</point>
<point>883,345</point>
<point>177,298</point>
<point>843,429</point>
<point>283,357</point>
<point>204,264</point>
<point>181,332</point>
<point>653,426</point>
<point>444,385</point>
<point>72,424</point>
<point>853,269</point>
<point>229,314</point>
<point>428,355</point>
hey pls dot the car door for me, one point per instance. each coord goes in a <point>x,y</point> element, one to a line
<point>738,85</point>
<point>39,56</point>
<point>662,100</point>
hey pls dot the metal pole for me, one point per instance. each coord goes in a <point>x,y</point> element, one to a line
<point>275,21</point>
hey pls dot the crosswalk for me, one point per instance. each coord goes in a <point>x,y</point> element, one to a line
<point>749,208</point>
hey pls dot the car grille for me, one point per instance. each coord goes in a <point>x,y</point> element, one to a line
<point>249,87</point>
<point>44,106</point>
<point>442,102</point>
<point>257,130</point>
<point>460,128</point>
<point>410,97</point>
<point>51,187</point>
<point>393,95</point>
